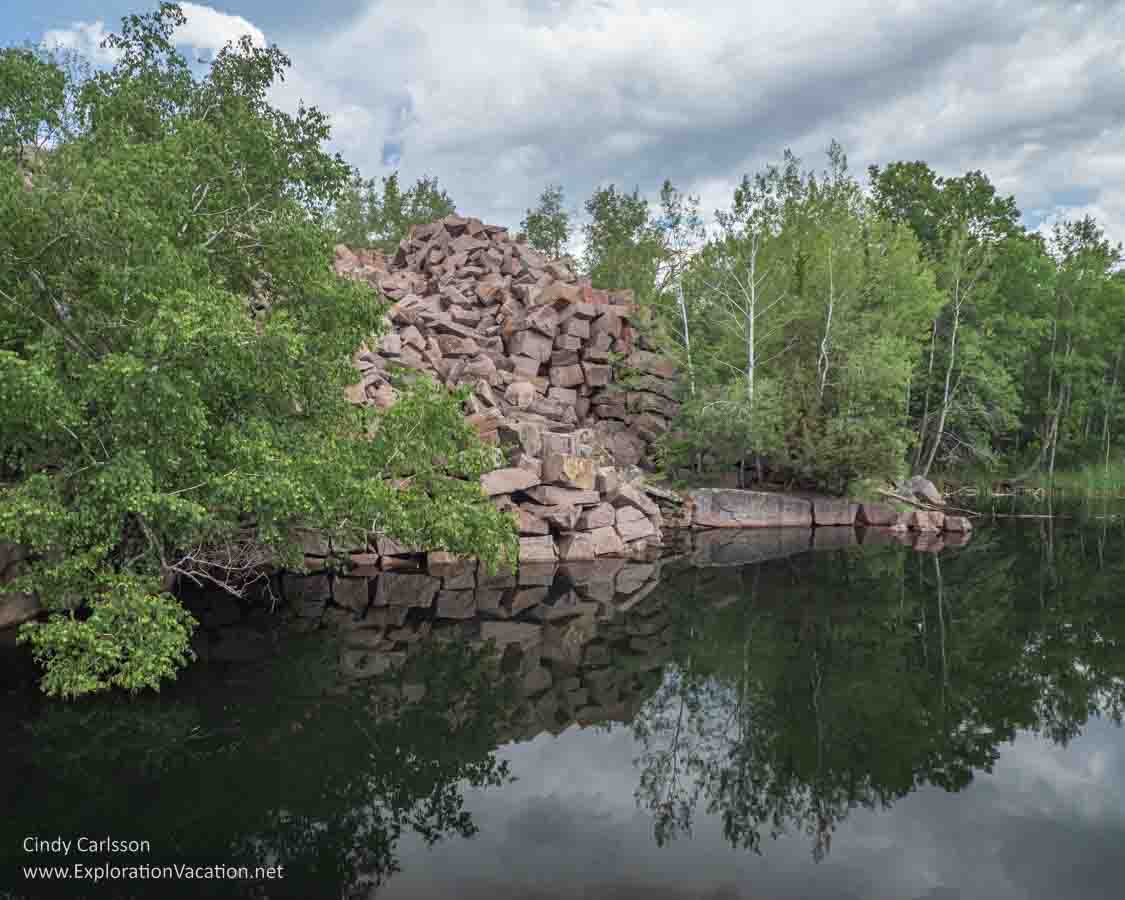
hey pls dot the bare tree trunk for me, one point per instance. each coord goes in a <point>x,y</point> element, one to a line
<point>822,359</point>
<point>1064,396</point>
<point>1105,413</point>
<point>957,300</point>
<point>752,303</point>
<point>687,337</point>
<point>926,401</point>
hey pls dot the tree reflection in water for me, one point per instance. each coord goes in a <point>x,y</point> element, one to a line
<point>286,768</point>
<point>827,682</point>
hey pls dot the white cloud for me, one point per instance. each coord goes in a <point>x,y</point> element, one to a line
<point>205,29</point>
<point>501,97</point>
<point>208,29</point>
<point>85,38</point>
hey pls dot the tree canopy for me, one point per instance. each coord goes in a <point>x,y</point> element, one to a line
<point>367,216</point>
<point>174,352</point>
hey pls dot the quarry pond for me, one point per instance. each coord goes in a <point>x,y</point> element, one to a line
<point>866,720</point>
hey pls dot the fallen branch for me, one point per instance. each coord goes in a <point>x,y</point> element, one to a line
<point>1031,516</point>
<point>928,507</point>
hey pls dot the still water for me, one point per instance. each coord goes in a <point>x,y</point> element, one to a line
<point>855,722</point>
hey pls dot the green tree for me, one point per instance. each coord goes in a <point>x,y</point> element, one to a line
<point>366,216</point>
<point>150,426</point>
<point>547,227</point>
<point>814,305</point>
<point>1084,348</point>
<point>624,246</point>
<point>965,396</point>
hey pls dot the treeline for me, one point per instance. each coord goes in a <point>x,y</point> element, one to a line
<point>831,331</point>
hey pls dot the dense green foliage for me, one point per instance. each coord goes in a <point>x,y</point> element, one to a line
<point>831,333</point>
<point>365,216</point>
<point>174,352</point>
<point>547,227</point>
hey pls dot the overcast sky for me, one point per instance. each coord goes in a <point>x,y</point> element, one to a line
<point>499,98</point>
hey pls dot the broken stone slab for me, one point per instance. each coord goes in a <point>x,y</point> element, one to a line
<point>633,529</point>
<point>577,547</point>
<point>456,604</point>
<point>567,376</point>
<point>451,345</point>
<point>507,481</point>
<point>607,542</point>
<point>628,495</point>
<point>537,549</point>
<point>727,508</point>
<point>551,495</point>
<point>659,493</point>
<point>530,523</point>
<point>597,517</point>
<point>608,480</point>
<point>525,366</point>
<point>566,396</point>
<point>833,511</point>
<point>406,589</point>
<point>544,320</point>
<point>531,344</point>
<point>569,471</point>
<point>563,443</point>
<point>877,514</point>
<point>352,593</point>
<point>560,518</point>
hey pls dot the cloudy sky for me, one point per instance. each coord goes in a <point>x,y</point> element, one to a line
<point>499,98</point>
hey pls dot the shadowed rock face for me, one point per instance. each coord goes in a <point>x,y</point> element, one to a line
<point>15,609</point>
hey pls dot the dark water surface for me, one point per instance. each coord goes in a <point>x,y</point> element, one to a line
<point>864,722</point>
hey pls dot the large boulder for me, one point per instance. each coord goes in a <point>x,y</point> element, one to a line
<point>723,508</point>
<point>877,514</point>
<point>508,481</point>
<point>923,489</point>
<point>832,511</point>
<point>569,471</point>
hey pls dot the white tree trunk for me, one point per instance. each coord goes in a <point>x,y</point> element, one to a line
<point>687,336</point>
<point>822,359</point>
<point>957,300</point>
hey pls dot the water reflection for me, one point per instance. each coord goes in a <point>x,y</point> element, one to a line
<point>764,692</point>
<point>850,682</point>
<point>278,765</point>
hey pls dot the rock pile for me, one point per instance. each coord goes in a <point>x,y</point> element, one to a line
<point>543,353</point>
